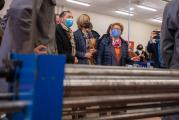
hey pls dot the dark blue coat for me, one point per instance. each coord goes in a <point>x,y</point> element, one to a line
<point>170,35</point>
<point>107,55</point>
<point>80,47</point>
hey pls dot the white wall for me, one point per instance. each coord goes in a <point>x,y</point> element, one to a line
<point>6,6</point>
<point>140,32</point>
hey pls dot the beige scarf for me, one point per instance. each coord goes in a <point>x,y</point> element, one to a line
<point>71,37</point>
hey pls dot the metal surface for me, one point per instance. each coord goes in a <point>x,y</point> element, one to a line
<point>83,80</point>
<point>119,108</point>
<point>43,88</point>
<point>120,99</point>
<point>11,107</point>
<point>110,71</point>
<point>6,96</point>
<point>156,113</point>
<point>48,94</point>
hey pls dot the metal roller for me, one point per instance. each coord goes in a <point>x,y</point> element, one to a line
<point>14,106</point>
<point>110,71</point>
<point>133,116</point>
<point>120,99</point>
<point>120,108</point>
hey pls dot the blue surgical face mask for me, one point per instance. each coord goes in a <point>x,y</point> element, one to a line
<point>69,22</point>
<point>115,33</point>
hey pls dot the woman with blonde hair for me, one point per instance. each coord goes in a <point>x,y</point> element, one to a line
<point>84,39</point>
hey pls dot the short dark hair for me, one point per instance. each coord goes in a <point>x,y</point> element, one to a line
<point>139,46</point>
<point>62,14</point>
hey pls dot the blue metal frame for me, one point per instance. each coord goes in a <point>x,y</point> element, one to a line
<point>41,83</point>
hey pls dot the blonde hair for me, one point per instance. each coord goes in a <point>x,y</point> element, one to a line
<point>84,18</point>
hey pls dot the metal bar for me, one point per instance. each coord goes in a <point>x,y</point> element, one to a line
<point>107,86</point>
<point>156,113</point>
<point>116,77</point>
<point>6,96</point>
<point>119,71</point>
<point>11,107</point>
<point>122,83</point>
<point>82,93</point>
<point>121,99</point>
<point>119,108</point>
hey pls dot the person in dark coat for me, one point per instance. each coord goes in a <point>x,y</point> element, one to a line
<point>64,37</point>
<point>20,21</point>
<point>141,53</point>
<point>113,49</point>
<point>17,34</point>
<point>170,40</point>
<point>82,37</point>
<point>153,49</point>
<point>170,35</point>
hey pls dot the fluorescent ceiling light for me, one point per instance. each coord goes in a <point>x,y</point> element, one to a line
<point>147,8</point>
<point>78,2</point>
<point>124,13</point>
<point>157,20</point>
<point>131,8</point>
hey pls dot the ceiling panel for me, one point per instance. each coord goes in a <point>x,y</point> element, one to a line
<point>108,7</point>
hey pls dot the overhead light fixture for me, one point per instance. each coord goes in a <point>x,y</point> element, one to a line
<point>157,20</point>
<point>124,13</point>
<point>147,8</point>
<point>78,2</point>
<point>131,8</point>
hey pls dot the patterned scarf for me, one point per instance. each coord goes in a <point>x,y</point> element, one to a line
<point>116,43</point>
<point>71,37</point>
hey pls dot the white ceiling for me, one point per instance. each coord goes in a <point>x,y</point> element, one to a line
<point>108,7</point>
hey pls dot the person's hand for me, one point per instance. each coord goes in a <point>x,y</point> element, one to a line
<point>142,56</point>
<point>76,60</point>
<point>41,49</point>
<point>136,59</point>
<point>88,55</point>
<point>92,51</point>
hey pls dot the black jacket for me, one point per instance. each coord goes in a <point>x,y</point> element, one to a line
<point>81,49</point>
<point>63,43</point>
<point>170,35</point>
<point>143,53</point>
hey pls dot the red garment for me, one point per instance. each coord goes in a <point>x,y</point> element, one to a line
<point>117,46</point>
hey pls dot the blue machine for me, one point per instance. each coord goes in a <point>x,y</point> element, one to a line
<point>40,82</point>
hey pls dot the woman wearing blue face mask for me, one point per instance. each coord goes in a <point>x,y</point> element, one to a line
<point>65,38</point>
<point>113,50</point>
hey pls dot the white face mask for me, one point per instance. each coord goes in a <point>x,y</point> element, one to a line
<point>140,52</point>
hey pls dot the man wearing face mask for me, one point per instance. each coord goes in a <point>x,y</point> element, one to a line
<point>113,50</point>
<point>64,37</point>
<point>141,53</point>
<point>153,48</point>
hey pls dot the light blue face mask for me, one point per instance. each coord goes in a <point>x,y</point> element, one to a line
<point>69,22</point>
<point>115,33</point>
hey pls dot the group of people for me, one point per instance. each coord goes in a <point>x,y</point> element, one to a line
<point>84,46</point>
